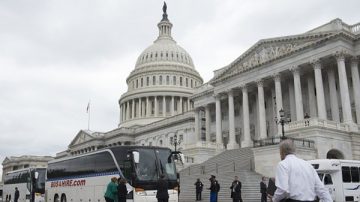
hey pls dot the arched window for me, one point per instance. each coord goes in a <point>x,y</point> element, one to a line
<point>181,81</point>
<point>160,80</point>
<point>187,82</point>
<point>142,82</point>
<point>191,83</point>
<point>154,80</point>
<point>137,83</point>
<point>167,80</point>
<point>174,80</point>
<point>147,81</point>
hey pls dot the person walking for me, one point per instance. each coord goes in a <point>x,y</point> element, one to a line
<point>263,189</point>
<point>199,188</point>
<point>236,190</point>
<point>121,190</point>
<point>162,194</point>
<point>16,195</point>
<point>111,190</point>
<point>214,189</point>
<point>296,180</point>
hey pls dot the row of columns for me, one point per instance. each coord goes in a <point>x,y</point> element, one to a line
<point>318,104</point>
<point>146,107</point>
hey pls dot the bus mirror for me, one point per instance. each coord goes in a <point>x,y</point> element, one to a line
<point>136,156</point>
<point>36,175</point>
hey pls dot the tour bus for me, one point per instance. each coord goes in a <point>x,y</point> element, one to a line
<point>1,192</point>
<point>30,183</point>
<point>85,177</point>
<point>341,177</point>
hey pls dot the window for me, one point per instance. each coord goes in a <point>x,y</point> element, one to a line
<point>167,80</point>
<point>181,81</point>
<point>327,179</point>
<point>174,80</point>
<point>147,81</point>
<point>354,174</point>
<point>133,84</point>
<point>187,82</point>
<point>137,83</point>
<point>154,80</point>
<point>142,82</point>
<point>160,80</point>
<point>192,83</point>
<point>346,174</point>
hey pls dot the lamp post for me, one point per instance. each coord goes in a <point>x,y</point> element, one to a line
<point>282,121</point>
<point>175,141</point>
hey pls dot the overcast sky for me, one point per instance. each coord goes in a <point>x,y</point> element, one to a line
<point>55,56</point>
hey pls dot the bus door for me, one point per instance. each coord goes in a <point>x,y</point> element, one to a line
<point>328,182</point>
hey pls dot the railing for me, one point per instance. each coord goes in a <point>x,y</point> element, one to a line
<point>318,123</point>
<point>299,142</point>
<point>355,28</point>
<point>218,168</point>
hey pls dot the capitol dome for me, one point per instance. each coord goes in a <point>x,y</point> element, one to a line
<point>160,85</point>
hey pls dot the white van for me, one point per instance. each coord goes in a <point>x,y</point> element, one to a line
<point>341,177</point>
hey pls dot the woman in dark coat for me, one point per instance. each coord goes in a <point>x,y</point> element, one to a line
<point>122,190</point>
<point>162,189</point>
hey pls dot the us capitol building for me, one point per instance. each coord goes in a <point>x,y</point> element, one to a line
<point>312,77</point>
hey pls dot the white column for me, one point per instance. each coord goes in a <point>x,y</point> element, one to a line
<point>148,107</point>
<point>207,122</point>
<point>139,109</point>
<point>196,125</point>
<point>312,97</point>
<point>218,122</point>
<point>133,109</point>
<point>262,113</point>
<point>279,101</point>
<point>164,106</point>
<point>356,86</point>
<point>333,95</point>
<point>344,88</point>
<point>246,117</point>
<point>232,140</point>
<point>298,94</point>
<point>172,106</point>
<point>188,104</point>
<point>292,101</point>
<point>127,110</point>
<point>121,113</point>
<point>320,96</point>
<point>156,105</point>
<point>181,105</point>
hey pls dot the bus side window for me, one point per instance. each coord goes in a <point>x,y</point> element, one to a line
<point>354,174</point>
<point>346,174</point>
<point>327,179</point>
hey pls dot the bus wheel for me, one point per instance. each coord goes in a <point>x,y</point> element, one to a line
<point>63,198</point>
<point>56,198</point>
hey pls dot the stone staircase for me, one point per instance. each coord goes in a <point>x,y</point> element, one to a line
<point>224,166</point>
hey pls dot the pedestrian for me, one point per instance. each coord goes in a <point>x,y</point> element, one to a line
<point>111,190</point>
<point>214,189</point>
<point>16,195</point>
<point>199,188</point>
<point>162,194</point>
<point>296,180</point>
<point>263,189</point>
<point>121,190</point>
<point>236,190</point>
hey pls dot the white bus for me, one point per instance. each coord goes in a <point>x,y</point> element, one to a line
<point>85,177</point>
<point>30,183</point>
<point>341,177</point>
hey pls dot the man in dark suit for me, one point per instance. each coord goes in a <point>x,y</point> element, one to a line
<point>162,189</point>
<point>199,188</point>
<point>263,189</point>
<point>17,195</point>
<point>236,190</point>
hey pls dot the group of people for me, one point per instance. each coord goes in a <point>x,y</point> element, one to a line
<point>116,190</point>
<point>215,188</point>
<point>296,181</point>
<point>16,196</point>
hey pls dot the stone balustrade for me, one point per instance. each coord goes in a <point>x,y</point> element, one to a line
<point>315,122</point>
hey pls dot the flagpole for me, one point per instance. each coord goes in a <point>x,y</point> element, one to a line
<point>88,111</point>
